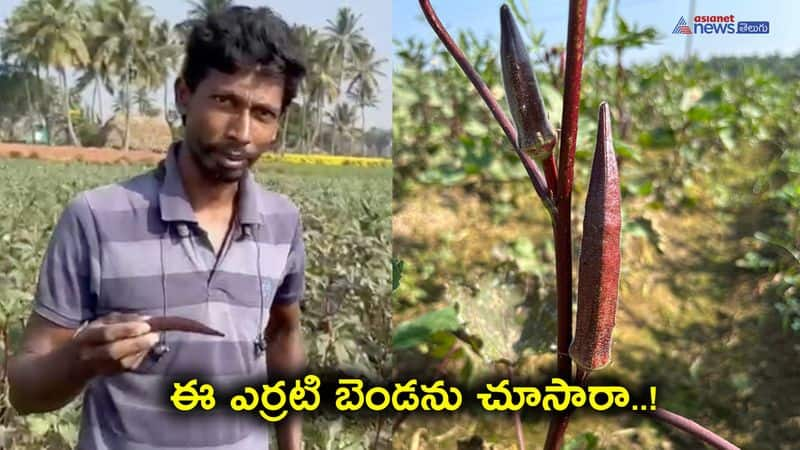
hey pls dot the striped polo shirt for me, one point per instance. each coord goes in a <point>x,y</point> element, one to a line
<point>136,247</point>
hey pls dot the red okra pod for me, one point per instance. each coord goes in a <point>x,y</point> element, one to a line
<point>535,134</point>
<point>173,323</point>
<point>598,276</point>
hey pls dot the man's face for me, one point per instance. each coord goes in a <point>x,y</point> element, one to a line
<point>231,119</point>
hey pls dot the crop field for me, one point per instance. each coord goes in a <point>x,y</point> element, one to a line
<point>709,287</point>
<point>346,319</point>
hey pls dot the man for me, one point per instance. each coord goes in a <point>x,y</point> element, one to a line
<point>195,238</point>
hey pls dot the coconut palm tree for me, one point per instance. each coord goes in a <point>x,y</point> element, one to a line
<point>342,119</point>
<point>363,89</point>
<point>12,50</point>
<point>365,97</point>
<point>343,37</point>
<point>100,70</point>
<point>162,54</point>
<point>319,84</point>
<point>323,91</point>
<point>49,34</point>
<point>128,32</point>
<point>307,40</point>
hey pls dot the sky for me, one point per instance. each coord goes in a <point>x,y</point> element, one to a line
<point>382,21</point>
<point>482,16</point>
<point>376,21</point>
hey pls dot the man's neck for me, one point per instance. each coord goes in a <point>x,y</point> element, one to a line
<point>204,195</point>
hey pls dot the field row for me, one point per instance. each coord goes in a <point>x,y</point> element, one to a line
<point>112,156</point>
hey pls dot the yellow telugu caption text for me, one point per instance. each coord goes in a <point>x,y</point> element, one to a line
<point>275,401</point>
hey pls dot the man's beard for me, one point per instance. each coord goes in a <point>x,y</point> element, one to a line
<point>208,159</point>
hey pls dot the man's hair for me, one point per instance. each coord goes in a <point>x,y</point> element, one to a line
<point>240,37</point>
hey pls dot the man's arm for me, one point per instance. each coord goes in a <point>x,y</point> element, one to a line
<point>43,375</point>
<point>286,358</point>
<point>52,367</point>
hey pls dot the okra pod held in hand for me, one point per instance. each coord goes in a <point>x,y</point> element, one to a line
<point>535,134</point>
<point>173,323</point>
<point>598,276</point>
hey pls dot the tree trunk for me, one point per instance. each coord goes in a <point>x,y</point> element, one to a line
<point>30,109</point>
<point>303,113</point>
<point>100,104</point>
<point>285,130</point>
<point>317,128</point>
<point>126,134</point>
<point>40,102</point>
<point>363,133</point>
<point>73,138</point>
<point>334,138</point>
<point>92,114</point>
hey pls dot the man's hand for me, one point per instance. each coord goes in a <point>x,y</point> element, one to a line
<point>108,345</point>
<point>113,343</point>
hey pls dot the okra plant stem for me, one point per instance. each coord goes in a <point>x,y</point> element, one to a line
<point>551,174</point>
<point>531,168</point>
<point>693,428</point>
<point>576,30</point>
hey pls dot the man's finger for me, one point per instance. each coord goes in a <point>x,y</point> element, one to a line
<point>133,361</point>
<point>120,349</point>
<point>113,332</point>
<point>118,317</point>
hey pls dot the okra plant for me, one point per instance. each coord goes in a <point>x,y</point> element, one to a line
<point>534,140</point>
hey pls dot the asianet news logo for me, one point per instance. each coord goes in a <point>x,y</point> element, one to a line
<point>719,25</point>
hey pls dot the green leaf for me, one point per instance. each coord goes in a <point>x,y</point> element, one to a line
<point>585,441</point>
<point>642,227</point>
<point>506,321</point>
<point>38,426</point>
<point>660,137</point>
<point>397,272</point>
<point>420,330</point>
<point>690,98</point>
<point>726,136</point>
<point>598,18</point>
<point>627,151</point>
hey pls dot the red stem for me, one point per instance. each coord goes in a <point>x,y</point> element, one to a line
<point>569,134</point>
<point>693,428</point>
<point>576,30</point>
<point>558,427</point>
<point>682,423</point>
<point>551,174</point>
<point>531,168</point>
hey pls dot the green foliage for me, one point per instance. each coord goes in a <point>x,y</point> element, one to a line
<point>785,68</point>
<point>397,273</point>
<point>677,126</point>
<point>422,329</point>
<point>346,314</point>
<point>776,251</point>
<point>584,441</point>
<point>688,116</point>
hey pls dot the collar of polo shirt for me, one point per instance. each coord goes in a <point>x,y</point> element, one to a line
<point>174,203</point>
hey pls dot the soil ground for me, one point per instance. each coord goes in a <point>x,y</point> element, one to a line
<point>86,154</point>
<point>689,320</point>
